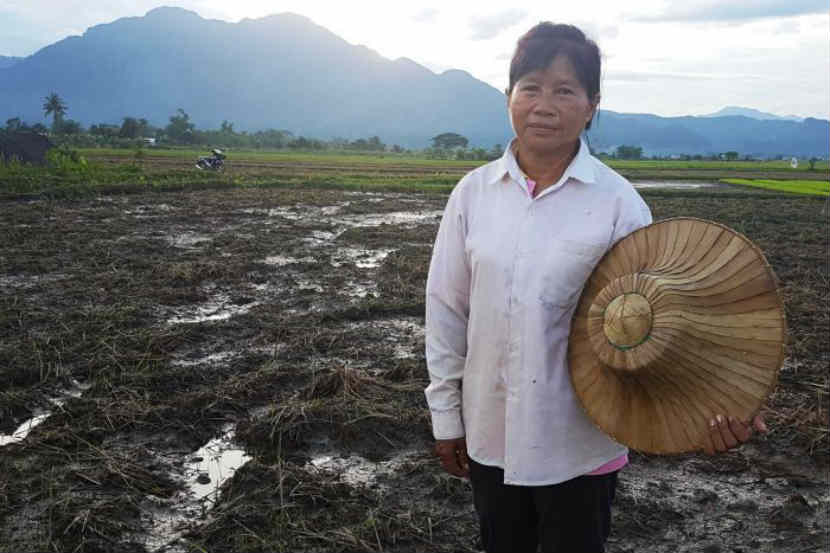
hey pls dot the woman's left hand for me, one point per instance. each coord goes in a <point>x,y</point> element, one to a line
<point>728,432</point>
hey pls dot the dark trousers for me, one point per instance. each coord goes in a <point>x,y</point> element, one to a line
<point>571,517</point>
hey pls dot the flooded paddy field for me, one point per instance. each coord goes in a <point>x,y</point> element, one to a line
<point>243,370</point>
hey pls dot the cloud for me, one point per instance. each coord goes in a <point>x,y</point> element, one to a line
<point>646,76</point>
<point>485,27</point>
<point>426,15</point>
<point>609,31</point>
<point>787,27</point>
<point>736,10</point>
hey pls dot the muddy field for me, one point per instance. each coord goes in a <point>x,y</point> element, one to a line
<point>243,370</point>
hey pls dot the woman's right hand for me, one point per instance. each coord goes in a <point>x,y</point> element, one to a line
<point>453,455</point>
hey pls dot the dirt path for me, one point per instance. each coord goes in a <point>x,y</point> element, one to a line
<point>243,370</point>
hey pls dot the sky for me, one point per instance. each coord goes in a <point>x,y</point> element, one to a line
<point>668,57</point>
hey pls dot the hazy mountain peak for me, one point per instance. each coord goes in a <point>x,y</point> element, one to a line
<point>169,12</point>
<point>730,111</point>
<point>289,17</point>
<point>456,74</point>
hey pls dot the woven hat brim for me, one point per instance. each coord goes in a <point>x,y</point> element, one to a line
<point>714,343</point>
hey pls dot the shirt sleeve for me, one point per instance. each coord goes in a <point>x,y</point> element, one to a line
<point>633,214</point>
<point>447,313</point>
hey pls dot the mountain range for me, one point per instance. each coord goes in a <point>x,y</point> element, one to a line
<point>286,72</point>
<point>752,113</point>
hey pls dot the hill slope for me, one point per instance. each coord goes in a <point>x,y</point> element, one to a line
<point>8,61</point>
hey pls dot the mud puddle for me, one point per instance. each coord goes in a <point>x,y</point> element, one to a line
<point>213,464</point>
<point>25,282</point>
<point>76,390</point>
<point>362,258</point>
<point>282,260</point>
<point>188,240</point>
<point>357,471</point>
<point>220,306</point>
<point>201,477</point>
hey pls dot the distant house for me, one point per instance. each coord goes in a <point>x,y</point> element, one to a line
<point>27,147</point>
<point>149,141</point>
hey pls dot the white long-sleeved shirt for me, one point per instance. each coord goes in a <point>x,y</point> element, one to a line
<point>506,273</point>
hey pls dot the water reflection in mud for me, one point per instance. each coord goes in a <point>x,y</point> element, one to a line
<point>218,308</point>
<point>24,282</point>
<point>214,463</point>
<point>187,240</point>
<point>23,430</point>
<point>204,473</point>
<point>356,470</point>
<point>671,185</point>
<point>281,260</point>
<point>362,258</point>
<point>39,416</point>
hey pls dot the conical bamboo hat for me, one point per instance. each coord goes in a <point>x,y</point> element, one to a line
<point>679,322</point>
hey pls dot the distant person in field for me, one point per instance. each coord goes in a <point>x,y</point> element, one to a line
<point>519,238</point>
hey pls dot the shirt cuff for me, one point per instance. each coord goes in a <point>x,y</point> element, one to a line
<point>447,425</point>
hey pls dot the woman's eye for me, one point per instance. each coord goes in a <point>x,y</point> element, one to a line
<point>564,90</point>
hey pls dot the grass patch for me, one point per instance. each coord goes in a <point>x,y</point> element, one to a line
<point>287,156</point>
<point>814,188</point>
<point>417,159</point>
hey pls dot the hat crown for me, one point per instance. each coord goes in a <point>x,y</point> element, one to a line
<point>627,321</point>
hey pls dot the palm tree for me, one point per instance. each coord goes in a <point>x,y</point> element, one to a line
<point>54,105</point>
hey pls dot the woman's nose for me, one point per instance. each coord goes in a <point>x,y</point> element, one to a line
<point>545,105</point>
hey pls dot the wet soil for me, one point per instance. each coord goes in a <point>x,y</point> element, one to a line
<point>243,370</point>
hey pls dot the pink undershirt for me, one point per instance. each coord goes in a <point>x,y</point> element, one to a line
<point>622,460</point>
<point>610,466</point>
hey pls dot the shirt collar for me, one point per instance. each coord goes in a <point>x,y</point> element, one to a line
<point>581,168</point>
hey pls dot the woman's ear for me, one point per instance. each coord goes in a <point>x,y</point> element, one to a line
<point>594,107</point>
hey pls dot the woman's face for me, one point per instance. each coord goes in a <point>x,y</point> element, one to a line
<point>549,108</point>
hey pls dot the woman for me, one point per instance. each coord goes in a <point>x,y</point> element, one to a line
<point>518,240</point>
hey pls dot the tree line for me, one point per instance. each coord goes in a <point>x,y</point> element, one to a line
<point>181,131</point>
<point>628,152</point>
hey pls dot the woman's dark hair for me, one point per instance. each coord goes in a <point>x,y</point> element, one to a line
<point>541,44</point>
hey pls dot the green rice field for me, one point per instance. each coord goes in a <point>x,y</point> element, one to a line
<point>815,188</point>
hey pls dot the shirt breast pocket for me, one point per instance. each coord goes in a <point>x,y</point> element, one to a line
<point>567,266</point>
